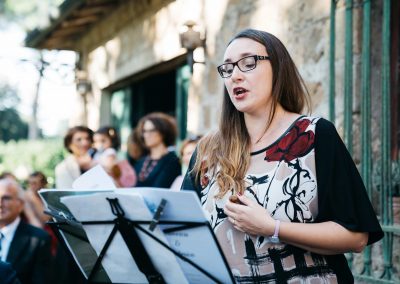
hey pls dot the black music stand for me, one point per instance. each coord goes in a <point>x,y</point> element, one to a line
<point>128,229</point>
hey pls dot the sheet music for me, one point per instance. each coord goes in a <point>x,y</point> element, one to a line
<point>118,262</point>
<point>83,252</point>
<point>95,178</point>
<point>92,181</point>
<point>197,244</point>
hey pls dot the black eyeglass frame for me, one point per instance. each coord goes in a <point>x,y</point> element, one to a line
<point>256,58</point>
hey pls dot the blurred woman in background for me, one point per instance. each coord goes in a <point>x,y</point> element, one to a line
<point>78,141</point>
<point>160,167</point>
<point>136,147</point>
<point>187,149</point>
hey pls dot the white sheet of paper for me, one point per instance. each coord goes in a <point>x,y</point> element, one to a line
<point>118,262</point>
<point>197,244</point>
<point>83,253</point>
<point>95,178</point>
<point>183,206</point>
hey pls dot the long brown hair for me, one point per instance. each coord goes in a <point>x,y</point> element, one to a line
<point>226,152</point>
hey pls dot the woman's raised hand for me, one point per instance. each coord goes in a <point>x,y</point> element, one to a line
<point>249,217</point>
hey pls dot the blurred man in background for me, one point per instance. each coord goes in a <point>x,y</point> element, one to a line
<point>25,247</point>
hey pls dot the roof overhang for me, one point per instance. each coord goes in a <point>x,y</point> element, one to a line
<point>75,18</point>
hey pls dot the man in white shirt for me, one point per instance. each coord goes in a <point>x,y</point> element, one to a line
<point>25,247</point>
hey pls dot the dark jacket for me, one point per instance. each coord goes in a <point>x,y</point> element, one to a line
<point>7,274</point>
<point>158,173</point>
<point>30,254</point>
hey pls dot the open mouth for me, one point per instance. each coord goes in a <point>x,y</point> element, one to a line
<point>239,91</point>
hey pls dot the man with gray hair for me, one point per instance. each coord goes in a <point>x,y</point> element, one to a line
<point>25,247</point>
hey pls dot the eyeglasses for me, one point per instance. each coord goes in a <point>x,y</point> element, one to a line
<point>149,130</point>
<point>7,198</point>
<point>244,64</point>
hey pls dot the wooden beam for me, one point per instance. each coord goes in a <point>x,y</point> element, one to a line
<point>96,2</point>
<point>93,10</point>
<point>58,44</point>
<point>67,31</point>
<point>74,22</point>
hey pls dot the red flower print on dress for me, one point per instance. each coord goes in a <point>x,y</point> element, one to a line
<point>296,143</point>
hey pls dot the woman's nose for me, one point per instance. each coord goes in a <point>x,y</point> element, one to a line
<point>236,74</point>
<point>86,142</point>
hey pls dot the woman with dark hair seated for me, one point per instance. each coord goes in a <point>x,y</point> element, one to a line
<point>78,141</point>
<point>160,167</point>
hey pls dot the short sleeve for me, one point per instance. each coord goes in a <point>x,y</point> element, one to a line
<point>342,197</point>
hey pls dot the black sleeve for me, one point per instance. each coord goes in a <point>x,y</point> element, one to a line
<point>171,168</point>
<point>8,274</point>
<point>189,182</point>
<point>342,197</point>
<point>40,270</point>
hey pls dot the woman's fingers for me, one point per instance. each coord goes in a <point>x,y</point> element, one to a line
<point>249,216</point>
<point>244,200</point>
<point>239,228</point>
<point>234,207</point>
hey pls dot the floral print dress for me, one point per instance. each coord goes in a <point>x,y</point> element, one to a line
<point>282,179</point>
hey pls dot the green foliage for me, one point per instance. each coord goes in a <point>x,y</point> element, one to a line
<point>23,157</point>
<point>12,127</point>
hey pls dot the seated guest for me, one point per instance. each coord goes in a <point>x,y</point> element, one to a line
<point>106,142</point>
<point>36,181</point>
<point>187,149</point>
<point>7,274</point>
<point>25,247</point>
<point>34,207</point>
<point>78,141</point>
<point>135,147</point>
<point>160,167</point>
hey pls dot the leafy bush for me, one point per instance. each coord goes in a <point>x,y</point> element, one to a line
<point>23,157</point>
<point>12,127</point>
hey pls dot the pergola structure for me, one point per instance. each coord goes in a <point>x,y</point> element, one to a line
<point>75,18</point>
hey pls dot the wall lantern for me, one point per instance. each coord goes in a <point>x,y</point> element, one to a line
<point>191,39</point>
<point>83,85</point>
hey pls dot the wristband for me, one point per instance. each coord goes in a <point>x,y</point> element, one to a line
<point>275,237</point>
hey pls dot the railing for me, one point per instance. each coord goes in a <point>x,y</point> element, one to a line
<point>382,175</point>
